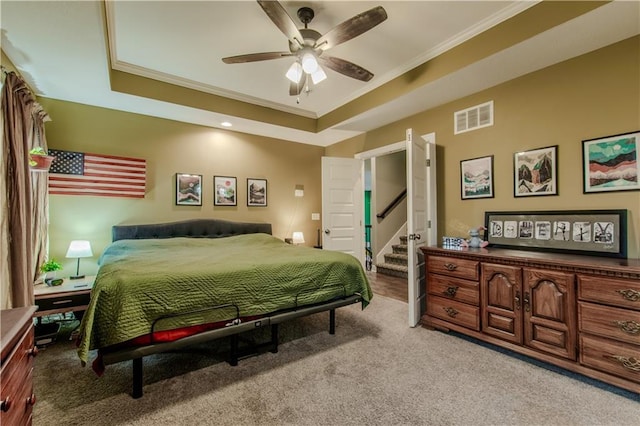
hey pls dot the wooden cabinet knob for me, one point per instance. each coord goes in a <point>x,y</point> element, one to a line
<point>33,351</point>
<point>450,311</point>
<point>5,405</point>
<point>31,400</point>
<point>451,291</point>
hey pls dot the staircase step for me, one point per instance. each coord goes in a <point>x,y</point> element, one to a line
<point>396,258</point>
<point>403,240</point>
<point>399,248</point>
<point>392,270</point>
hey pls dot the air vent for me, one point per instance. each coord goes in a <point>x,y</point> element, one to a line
<point>473,118</point>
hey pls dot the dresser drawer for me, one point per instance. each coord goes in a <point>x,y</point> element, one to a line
<point>606,321</point>
<point>616,292</point>
<point>16,384</point>
<point>454,312</point>
<point>19,361</point>
<point>22,400</point>
<point>454,288</point>
<point>461,268</point>
<point>621,359</point>
<point>63,301</point>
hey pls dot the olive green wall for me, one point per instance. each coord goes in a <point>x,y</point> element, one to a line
<point>594,95</point>
<point>171,147</point>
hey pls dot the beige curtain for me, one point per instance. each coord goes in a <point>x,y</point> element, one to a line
<point>24,209</point>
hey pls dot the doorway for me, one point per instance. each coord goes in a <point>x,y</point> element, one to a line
<point>421,195</point>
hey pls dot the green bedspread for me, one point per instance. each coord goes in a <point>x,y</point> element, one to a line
<point>141,280</point>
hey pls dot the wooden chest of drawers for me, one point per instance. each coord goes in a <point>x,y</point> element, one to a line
<point>16,383</point>
<point>581,313</point>
<point>452,288</point>
<point>609,325</point>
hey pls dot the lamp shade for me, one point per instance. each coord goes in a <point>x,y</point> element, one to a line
<point>309,63</point>
<point>298,237</point>
<point>294,73</point>
<point>79,248</point>
<point>318,76</point>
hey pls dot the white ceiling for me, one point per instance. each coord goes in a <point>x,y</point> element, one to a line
<point>60,47</point>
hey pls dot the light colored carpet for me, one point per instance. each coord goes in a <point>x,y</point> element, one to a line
<point>375,370</point>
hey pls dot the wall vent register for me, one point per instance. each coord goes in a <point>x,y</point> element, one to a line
<point>473,118</point>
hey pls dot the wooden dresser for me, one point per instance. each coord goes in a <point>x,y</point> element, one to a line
<point>581,313</point>
<point>16,381</point>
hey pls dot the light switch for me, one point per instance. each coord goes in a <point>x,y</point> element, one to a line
<point>315,216</point>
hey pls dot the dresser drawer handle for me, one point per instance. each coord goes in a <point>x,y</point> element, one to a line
<point>5,405</point>
<point>60,302</point>
<point>527,302</point>
<point>451,291</point>
<point>630,363</point>
<point>451,266</point>
<point>31,400</point>
<point>33,351</point>
<point>451,312</point>
<point>629,327</point>
<point>630,295</point>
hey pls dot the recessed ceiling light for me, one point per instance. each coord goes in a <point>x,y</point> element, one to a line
<point>225,124</point>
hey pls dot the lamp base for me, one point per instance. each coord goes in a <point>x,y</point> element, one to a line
<point>76,277</point>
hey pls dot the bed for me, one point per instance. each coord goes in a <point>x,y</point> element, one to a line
<point>163,287</point>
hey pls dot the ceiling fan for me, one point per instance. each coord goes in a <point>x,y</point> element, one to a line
<point>308,46</point>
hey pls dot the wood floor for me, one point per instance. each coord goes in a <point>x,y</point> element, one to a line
<point>392,287</point>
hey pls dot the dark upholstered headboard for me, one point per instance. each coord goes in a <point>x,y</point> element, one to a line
<point>195,228</point>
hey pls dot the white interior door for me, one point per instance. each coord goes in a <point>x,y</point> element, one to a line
<point>343,205</point>
<point>417,219</point>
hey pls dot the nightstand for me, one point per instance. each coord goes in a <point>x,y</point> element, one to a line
<point>70,296</point>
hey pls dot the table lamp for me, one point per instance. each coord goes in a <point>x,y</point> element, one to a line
<point>298,237</point>
<point>78,249</point>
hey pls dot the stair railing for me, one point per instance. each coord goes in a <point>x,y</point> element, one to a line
<point>392,205</point>
<point>367,247</point>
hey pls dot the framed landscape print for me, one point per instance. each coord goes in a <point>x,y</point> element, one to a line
<point>535,172</point>
<point>611,163</point>
<point>256,192</point>
<point>188,189</point>
<point>224,191</point>
<point>593,232</point>
<point>476,177</point>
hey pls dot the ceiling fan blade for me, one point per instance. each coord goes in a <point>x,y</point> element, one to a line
<point>351,28</point>
<point>254,57</point>
<point>345,67</point>
<point>283,21</point>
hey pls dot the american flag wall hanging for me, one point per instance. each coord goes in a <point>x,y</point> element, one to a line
<point>78,173</point>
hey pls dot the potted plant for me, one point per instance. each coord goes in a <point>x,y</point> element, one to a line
<point>39,160</point>
<point>49,268</point>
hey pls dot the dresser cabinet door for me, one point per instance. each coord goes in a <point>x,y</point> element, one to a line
<point>502,301</point>
<point>548,304</point>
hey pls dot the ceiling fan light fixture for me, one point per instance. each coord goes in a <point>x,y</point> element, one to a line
<point>309,63</point>
<point>318,76</point>
<point>294,73</point>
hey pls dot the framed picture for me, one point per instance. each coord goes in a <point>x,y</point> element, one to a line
<point>611,163</point>
<point>188,189</point>
<point>592,232</point>
<point>224,191</point>
<point>256,192</point>
<point>476,177</point>
<point>535,172</point>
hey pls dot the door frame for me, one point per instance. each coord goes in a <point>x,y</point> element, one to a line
<point>430,138</point>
